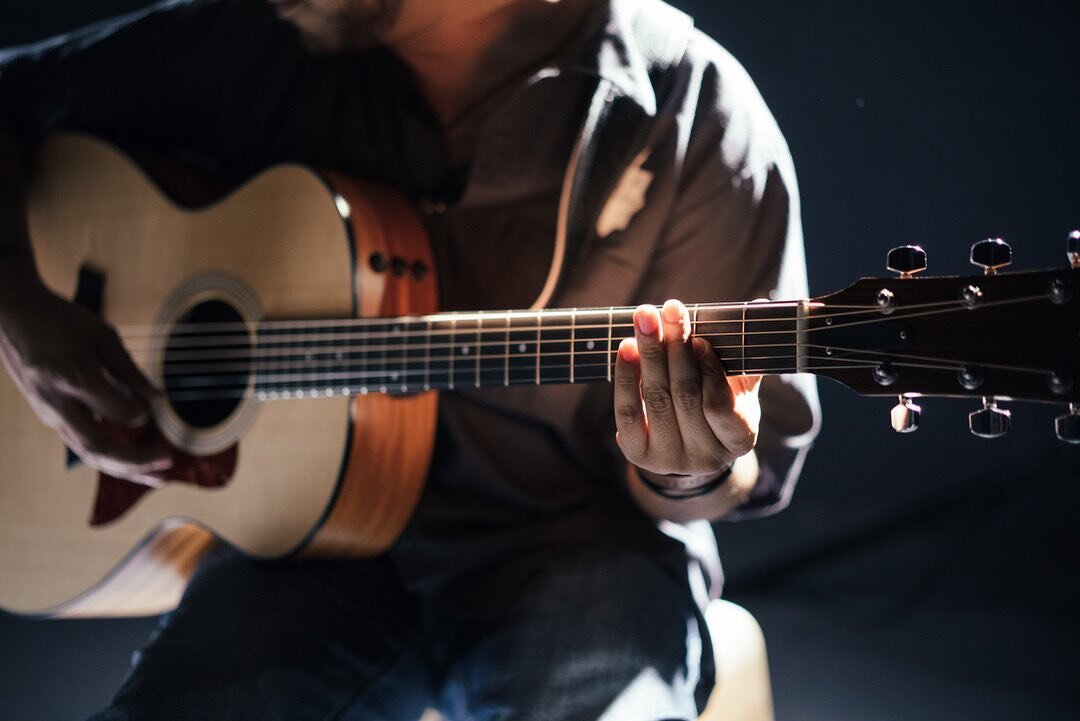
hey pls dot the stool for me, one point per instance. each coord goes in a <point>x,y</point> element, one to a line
<point>742,691</point>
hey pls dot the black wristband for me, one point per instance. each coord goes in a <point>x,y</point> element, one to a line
<point>682,494</point>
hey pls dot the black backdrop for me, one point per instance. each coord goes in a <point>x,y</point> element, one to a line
<point>925,576</point>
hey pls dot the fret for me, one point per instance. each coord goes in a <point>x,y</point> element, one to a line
<point>770,338</point>
<point>610,327</point>
<point>265,345</point>
<point>427,356</point>
<point>523,356</point>
<point>361,358</point>
<point>491,351</point>
<point>441,358</point>
<point>401,355</point>
<point>506,354</point>
<point>278,347</point>
<point>465,351</point>
<point>742,342</point>
<point>414,351</point>
<point>554,331</point>
<point>332,358</point>
<point>573,320</point>
<point>590,345</point>
<point>752,336</point>
<point>722,326</point>
<point>538,319</point>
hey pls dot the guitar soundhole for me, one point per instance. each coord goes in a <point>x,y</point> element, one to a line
<point>207,364</point>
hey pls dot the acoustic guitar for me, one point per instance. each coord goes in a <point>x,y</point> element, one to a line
<point>293,327</point>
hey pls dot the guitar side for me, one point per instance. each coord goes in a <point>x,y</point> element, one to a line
<point>303,470</point>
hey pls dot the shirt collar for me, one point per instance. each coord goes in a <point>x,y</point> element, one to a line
<point>626,40</point>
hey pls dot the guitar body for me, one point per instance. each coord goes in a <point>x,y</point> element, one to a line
<point>330,476</point>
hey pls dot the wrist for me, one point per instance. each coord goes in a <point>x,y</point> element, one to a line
<point>679,487</point>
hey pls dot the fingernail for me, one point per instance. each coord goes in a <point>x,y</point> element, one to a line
<point>628,350</point>
<point>646,322</point>
<point>671,312</point>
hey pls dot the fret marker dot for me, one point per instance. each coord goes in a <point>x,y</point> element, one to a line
<point>465,350</point>
<point>404,388</point>
<point>363,390</point>
<point>346,391</point>
<point>397,328</point>
<point>328,392</point>
<point>393,375</point>
<point>590,345</point>
<point>522,347</point>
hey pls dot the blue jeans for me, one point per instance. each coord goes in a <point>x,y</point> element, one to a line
<point>596,633</point>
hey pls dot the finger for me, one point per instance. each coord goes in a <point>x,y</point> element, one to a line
<point>104,395</point>
<point>744,384</point>
<point>704,452</point>
<point>663,426</point>
<point>121,366</point>
<point>632,434</point>
<point>718,402</point>
<point>106,452</point>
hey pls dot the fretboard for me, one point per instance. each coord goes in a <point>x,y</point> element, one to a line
<point>448,351</point>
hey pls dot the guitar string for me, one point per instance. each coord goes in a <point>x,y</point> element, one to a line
<point>502,332</point>
<point>154,330</point>
<point>331,372</point>
<point>247,391</point>
<point>388,375</point>
<point>278,355</point>
<point>388,367</point>
<point>245,329</point>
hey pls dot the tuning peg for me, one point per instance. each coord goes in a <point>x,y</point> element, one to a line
<point>905,416</point>
<point>1073,249</point>
<point>989,421</point>
<point>991,254</point>
<point>1067,427</point>
<point>907,260</point>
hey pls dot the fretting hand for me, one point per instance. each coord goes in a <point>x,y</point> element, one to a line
<point>681,420</point>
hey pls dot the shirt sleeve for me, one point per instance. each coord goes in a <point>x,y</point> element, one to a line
<point>735,234</point>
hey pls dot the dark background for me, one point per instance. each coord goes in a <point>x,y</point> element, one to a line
<point>928,576</point>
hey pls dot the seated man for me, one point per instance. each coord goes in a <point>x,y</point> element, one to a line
<point>576,153</point>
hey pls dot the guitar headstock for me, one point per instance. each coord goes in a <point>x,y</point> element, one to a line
<point>994,337</point>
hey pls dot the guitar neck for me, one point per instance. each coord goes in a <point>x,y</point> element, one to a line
<point>447,351</point>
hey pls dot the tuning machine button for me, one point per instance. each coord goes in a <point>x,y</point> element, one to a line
<point>905,416</point>
<point>1072,250</point>
<point>907,260</point>
<point>1067,427</point>
<point>991,255</point>
<point>989,421</point>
